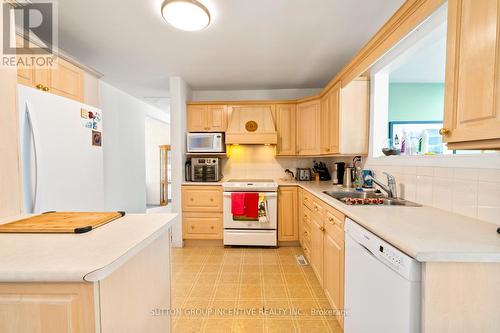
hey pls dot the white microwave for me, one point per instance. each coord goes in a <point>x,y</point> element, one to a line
<point>206,143</point>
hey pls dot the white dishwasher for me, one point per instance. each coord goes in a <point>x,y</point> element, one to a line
<point>382,285</point>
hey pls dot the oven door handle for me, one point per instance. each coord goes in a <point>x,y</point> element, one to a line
<point>267,194</point>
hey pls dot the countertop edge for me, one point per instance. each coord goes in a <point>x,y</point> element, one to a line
<point>421,256</point>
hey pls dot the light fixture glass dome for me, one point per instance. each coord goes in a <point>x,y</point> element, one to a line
<point>188,15</point>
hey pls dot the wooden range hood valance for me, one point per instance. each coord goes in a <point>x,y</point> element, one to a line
<point>251,124</point>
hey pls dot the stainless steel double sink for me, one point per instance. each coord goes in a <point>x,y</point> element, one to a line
<point>386,201</point>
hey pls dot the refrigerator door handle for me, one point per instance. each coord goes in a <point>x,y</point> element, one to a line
<point>34,136</point>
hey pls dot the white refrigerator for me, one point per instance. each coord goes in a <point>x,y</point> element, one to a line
<point>61,153</point>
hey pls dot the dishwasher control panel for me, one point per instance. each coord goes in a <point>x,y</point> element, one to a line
<point>390,255</point>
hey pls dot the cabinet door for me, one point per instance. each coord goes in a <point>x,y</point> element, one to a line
<point>472,110</point>
<point>217,118</point>
<point>325,130</point>
<point>66,80</point>
<point>285,119</point>
<point>197,118</point>
<point>354,115</point>
<point>288,224</point>
<point>26,76</point>
<point>308,115</point>
<point>334,273</point>
<point>317,237</point>
<point>334,118</point>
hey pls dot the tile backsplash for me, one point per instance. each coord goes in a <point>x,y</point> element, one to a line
<point>466,191</point>
<point>246,161</point>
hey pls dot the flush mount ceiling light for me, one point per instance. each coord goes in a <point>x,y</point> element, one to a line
<point>188,15</point>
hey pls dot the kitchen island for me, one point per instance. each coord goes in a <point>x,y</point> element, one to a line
<point>111,279</point>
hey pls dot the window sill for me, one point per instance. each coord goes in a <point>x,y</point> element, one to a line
<point>480,161</point>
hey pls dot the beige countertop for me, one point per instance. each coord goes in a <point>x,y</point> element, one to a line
<point>425,233</point>
<point>91,256</point>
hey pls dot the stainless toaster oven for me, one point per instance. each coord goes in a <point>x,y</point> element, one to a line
<point>206,169</point>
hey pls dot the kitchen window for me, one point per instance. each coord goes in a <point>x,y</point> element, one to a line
<point>408,86</point>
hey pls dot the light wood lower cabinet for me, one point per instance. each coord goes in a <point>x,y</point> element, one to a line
<point>202,212</point>
<point>317,241</point>
<point>202,225</point>
<point>322,239</point>
<point>333,281</point>
<point>472,91</point>
<point>288,223</point>
<point>202,198</point>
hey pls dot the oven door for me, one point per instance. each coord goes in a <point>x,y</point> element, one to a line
<point>272,211</point>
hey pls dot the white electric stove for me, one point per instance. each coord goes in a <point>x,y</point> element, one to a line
<point>251,233</point>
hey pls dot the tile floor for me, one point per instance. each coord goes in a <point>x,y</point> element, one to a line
<point>217,289</point>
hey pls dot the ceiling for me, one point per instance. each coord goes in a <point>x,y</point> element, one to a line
<point>250,44</point>
<point>427,64</point>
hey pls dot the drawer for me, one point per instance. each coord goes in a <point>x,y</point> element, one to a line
<point>335,226</point>
<point>306,235</point>
<point>306,217</point>
<point>202,198</point>
<point>317,207</point>
<point>202,226</point>
<point>307,200</point>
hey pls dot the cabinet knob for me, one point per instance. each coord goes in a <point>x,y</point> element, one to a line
<point>192,227</point>
<point>45,88</point>
<point>39,86</point>
<point>212,227</point>
<point>444,131</point>
<point>191,199</point>
<point>211,199</point>
<point>322,228</point>
<point>331,220</point>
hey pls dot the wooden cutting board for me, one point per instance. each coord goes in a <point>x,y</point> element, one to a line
<point>60,222</point>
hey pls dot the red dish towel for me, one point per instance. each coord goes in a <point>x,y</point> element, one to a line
<point>238,203</point>
<point>252,205</point>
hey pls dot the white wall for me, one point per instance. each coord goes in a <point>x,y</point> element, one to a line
<point>124,149</point>
<point>180,93</point>
<point>235,95</point>
<point>157,133</point>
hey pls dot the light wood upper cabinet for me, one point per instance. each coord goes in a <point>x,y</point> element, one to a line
<point>330,117</point>
<point>354,115</point>
<point>472,92</point>
<point>206,118</point>
<point>197,118</point>
<point>285,126</point>
<point>217,118</point>
<point>288,223</point>
<point>64,80</point>
<point>333,100</point>
<point>308,128</point>
<point>325,131</point>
